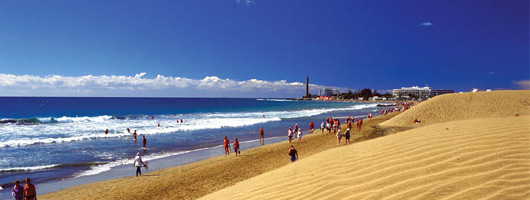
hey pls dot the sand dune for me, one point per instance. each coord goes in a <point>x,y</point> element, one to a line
<point>470,159</point>
<point>451,107</point>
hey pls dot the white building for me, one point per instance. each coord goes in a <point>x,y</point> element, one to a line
<point>414,90</point>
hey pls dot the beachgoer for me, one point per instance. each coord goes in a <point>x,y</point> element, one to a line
<point>138,163</point>
<point>261,136</point>
<point>311,127</point>
<point>290,134</point>
<point>226,145</point>
<point>322,127</point>
<point>296,127</point>
<point>152,118</point>
<point>369,115</point>
<point>347,136</point>
<point>134,135</point>
<point>328,127</point>
<point>416,120</point>
<point>181,121</point>
<point>360,124</point>
<point>106,131</point>
<point>236,146</point>
<point>158,124</point>
<point>339,136</point>
<point>300,135</point>
<point>128,130</point>
<point>18,191</point>
<point>30,193</point>
<point>293,154</point>
<point>517,114</point>
<point>144,142</point>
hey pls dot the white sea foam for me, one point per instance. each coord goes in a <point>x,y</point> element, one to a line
<point>108,166</point>
<point>33,168</point>
<point>72,129</point>
<point>278,100</point>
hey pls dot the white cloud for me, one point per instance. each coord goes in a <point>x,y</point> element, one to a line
<point>523,84</point>
<point>138,85</point>
<point>426,24</point>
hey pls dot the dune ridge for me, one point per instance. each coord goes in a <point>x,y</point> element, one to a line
<point>469,159</point>
<point>468,146</point>
<point>462,106</point>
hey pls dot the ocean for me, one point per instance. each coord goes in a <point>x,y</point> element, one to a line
<point>51,139</point>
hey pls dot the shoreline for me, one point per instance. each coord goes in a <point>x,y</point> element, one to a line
<point>188,181</point>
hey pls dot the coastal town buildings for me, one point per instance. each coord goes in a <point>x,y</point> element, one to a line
<point>419,91</point>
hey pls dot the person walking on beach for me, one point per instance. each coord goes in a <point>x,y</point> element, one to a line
<point>144,142</point>
<point>347,136</point>
<point>296,127</point>
<point>236,146</point>
<point>226,145</point>
<point>322,127</point>
<point>300,135</point>
<point>339,136</point>
<point>18,191</point>
<point>328,127</point>
<point>290,134</point>
<point>261,136</point>
<point>30,193</point>
<point>138,163</point>
<point>311,127</point>
<point>293,154</point>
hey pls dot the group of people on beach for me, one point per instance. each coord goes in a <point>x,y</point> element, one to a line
<point>298,131</point>
<point>226,146</point>
<point>28,192</point>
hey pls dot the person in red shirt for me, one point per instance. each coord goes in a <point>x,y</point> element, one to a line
<point>261,136</point>
<point>226,145</point>
<point>311,127</point>
<point>236,146</point>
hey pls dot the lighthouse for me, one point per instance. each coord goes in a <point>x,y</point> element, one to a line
<point>307,87</point>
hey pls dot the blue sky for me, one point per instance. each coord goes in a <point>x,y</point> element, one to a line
<point>259,48</point>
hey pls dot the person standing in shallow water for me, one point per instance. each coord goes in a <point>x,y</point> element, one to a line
<point>261,136</point>
<point>18,191</point>
<point>144,142</point>
<point>30,193</point>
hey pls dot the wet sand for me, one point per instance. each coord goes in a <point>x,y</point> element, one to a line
<point>204,177</point>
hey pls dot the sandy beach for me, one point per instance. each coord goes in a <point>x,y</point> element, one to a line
<point>201,178</point>
<point>472,148</point>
